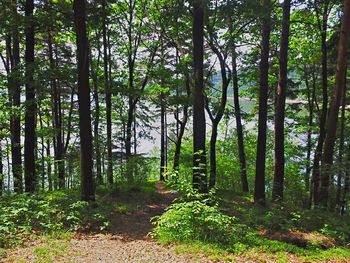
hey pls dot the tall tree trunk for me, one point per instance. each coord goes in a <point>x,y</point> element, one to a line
<point>341,148</point>
<point>311,103</point>
<point>278,182</point>
<point>323,118</point>
<point>30,111</point>
<point>220,111</point>
<point>259,191</point>
<point>239,126</point>
<point>327,157</point>
<point>94,74</point>
<point>162,137</point>
<point>56,99</point>
<point>86,174</point>
<point>17,168</point>
<point>108,98</point>
<point>199,125</point>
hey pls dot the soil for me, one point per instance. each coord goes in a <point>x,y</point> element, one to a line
<point>127,241</point>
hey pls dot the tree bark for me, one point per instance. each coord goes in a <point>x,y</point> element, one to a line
<point>108,94</point>
<point>162,137</point>
<point>15,125</point>
<point>311,104</point>
<point>259,191</point>
<point>239,126</point>
<point>327,157</point>
<point>56,99</point>
<point>94,74</point>
<point>30,111</point>
<point>199,125</point>
<point>322,134</point>
<point>278,182</point>
<point>86,175</point>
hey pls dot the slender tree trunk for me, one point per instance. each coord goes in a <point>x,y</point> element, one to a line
<point>129,123</point>
<point>17,168</point>
<point>311,104</point>
<point>213,138</point>
<point>278,182</point>
<point>30,111</point>
<point>56,94</point>
<point>182,124</point>
<point>42,152</point>
<point>162,137</point>
<point>199,125</point>
<point>346,185</point>
<point>49,164</point>
<point>94,73</point>
<point>178,143</point>
<point>327,157</point>
<point>323,118</point>
<point>108,98</point>
<point>341,148</point>
<point>86,174</point>
<point>220,112</point>
<point>259,191</point>
<point>239,126</point>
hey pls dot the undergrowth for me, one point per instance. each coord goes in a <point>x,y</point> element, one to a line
<point>23,216</point>
<point>238,227</point>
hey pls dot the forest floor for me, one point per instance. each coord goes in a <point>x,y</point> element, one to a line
<point>126,239</point>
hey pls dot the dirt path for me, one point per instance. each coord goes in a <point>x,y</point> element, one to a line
<point>128,241</point>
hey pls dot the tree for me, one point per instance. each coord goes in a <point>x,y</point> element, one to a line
<point>86,175</point>
<point>322,22</point>
<point>199,152</point>
<point>108,94</point>
<point>30,111</point>
<point>259,192</point>
<point>220,109</point>
<point>332,122</point>
<point>15,125</point>
<point>278,182</point>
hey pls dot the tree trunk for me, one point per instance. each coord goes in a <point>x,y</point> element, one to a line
<point>341,148</point>
<point>17,168</point>
<point>108,98</point>
<point>178,143</point>
<point>94,74</point>
<point>278,182</point>
<point>259,192</point>
<point>213,138</point>
<point>49,168</point>
<point>56,94</point>
<point>86,175</point>
<point>199,125</point>
<point>322,134</point>
<point>346,185</point>
<point>239,126</point>
<point>162,137</point>
<point>327,157</point>
<point>30,111</point>
<point>311,104</point>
